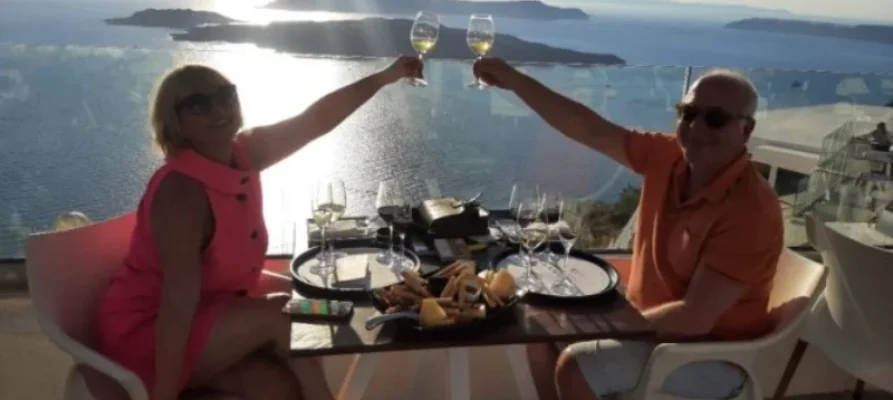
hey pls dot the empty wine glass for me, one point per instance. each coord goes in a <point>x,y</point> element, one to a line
<point>384,203</point>
<point>338,206</point>
<point>568,227</point>
<point>532,233</point>
<point>424,34</point>
<point>551,215</point>
<point>322,205</point>
<point>480,37</point>
<point>402,221</point>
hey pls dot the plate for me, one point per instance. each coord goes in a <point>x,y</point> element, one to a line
<point>495,316</point>
<point>355,274</point>
<point>594,278</point>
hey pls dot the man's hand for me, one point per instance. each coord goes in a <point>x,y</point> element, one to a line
<point>496,72</point>
<point>402,67</point>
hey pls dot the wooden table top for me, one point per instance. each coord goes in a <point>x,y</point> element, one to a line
<point>616,319</point>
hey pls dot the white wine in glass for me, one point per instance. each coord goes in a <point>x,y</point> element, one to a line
<point>424,34</point>
<point>480,37</point>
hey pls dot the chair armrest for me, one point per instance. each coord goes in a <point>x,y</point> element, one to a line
<point>84,355</point>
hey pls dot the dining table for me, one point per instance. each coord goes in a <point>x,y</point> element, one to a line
<point>612,317</point>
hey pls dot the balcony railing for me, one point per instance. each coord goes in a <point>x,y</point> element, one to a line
<point>75,133</point>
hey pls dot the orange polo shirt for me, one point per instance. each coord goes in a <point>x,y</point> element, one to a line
<point>733,226</point>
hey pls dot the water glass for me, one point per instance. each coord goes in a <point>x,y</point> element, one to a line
<point>532,234</point>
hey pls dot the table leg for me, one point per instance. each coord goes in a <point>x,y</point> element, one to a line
<point>460,380</point>
<point>790,369</point>
<point>358,376</point>
<point>517,358</point>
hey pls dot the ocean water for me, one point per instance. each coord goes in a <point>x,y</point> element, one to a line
<point>74,95</point>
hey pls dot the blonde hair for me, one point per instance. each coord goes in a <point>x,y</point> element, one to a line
<point>175,86</point>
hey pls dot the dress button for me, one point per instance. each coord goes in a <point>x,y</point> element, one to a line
<point>245,180</point>
<point>254,234</point>
<point>241,197</point>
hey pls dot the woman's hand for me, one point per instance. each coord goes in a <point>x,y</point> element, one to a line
<point>496,72</point>
<point>402,67</point>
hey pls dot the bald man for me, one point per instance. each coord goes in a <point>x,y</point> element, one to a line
<point>706,245</point>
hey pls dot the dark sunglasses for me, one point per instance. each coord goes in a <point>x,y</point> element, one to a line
<point>714,117</point>
<point>203,103</point>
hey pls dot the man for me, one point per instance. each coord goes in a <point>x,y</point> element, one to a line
<point>707,241</point>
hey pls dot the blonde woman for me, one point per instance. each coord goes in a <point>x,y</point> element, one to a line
<point>179,313</point>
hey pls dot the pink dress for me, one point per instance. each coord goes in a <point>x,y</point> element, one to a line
<point>231,266</point>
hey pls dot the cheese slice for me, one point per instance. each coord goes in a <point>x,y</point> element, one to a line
<point>431,313</point>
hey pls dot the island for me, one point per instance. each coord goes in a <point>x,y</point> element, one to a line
<point>171,18</point>
<point>870,33</point>
<point>527,9</point>
<point>379,37</point>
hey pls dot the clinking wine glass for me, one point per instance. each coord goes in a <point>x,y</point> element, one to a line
<point>480,37</point>
<point>532,234</point>
<point>424,34</point>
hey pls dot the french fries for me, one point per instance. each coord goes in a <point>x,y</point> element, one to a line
<point>464,298</point>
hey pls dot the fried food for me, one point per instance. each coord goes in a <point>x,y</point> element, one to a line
<point>464,298</point>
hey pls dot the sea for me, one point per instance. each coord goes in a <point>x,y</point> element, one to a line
<point>74,96</point>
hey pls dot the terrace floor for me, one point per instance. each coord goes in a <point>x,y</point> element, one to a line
<point>32,368</point>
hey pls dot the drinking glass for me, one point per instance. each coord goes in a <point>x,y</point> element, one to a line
<point>532,233</point>
<point>394,208</point>
<point>568,227</point>
<point>551,215</point>
<point>338,206</point>
<point>424,34</point>
<point>480,37</point>
<point>323,206</point>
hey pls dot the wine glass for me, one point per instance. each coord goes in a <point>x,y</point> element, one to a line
<point>322,205</point>
<point>569,225</point>
<point>480,37</point>
<point>338,206</point>
<point>402,221</point>
<point>423,36</point>
<point>384,204</point>
<point>532,233</point>
<point>551,215</point>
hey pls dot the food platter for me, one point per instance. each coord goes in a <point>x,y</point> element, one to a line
<point>453,299</point>
<point>356,272</point>
<point>594,279</point>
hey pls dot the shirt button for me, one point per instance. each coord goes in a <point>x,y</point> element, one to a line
<point>245,180</point>
<point>241,197</point>
<point>254,234</point>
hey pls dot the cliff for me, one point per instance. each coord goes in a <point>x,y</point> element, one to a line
<point>527,9</point>
<point>377,37</point>
<point>171,18</point>
<point>871,33</point>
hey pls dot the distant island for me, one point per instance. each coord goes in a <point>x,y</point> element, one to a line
<point>171,18</point>
<point>379,37</point>
<point>870,33</point>
<point>527,9</point>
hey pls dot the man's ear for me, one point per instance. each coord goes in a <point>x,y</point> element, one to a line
<point>749,127</point>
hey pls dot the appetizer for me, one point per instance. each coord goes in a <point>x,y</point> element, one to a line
<point>453,295</point>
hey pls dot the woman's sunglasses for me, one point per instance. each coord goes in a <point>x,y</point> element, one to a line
<point>714,117</point>
<point>202,103</point>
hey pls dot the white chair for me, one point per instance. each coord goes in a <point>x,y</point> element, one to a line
<point>67,273</point>
<point>797,283</point>
<point>851,323</point>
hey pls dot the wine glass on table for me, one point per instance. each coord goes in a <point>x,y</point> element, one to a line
<point>532,234</point>
<point>551,215</point>
<point>569,225</point>
<point>394,208</point>
<point>402,221</point>
<point>322,205</point>
<point>337,208</point>
<point>424,34</point>
<point>480,36</point>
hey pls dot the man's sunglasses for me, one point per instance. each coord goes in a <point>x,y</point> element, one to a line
<point>714,117</point>
<point>202,103</point>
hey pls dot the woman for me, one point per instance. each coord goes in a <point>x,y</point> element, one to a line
<point>178,313</point>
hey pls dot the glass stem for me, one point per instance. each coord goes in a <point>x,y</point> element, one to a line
<point>391,239</point>
<point>322,247</point>
<point>402,245</point>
